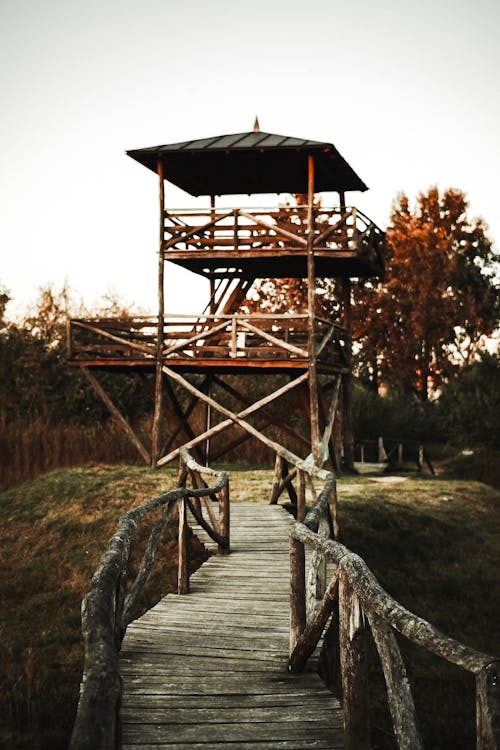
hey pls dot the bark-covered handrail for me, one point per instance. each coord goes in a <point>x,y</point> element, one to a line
<point>359,596</point>
<point>107,607</point>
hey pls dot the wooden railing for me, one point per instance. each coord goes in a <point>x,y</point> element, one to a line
<point>340,229</point>
<point>394,453</point>
<point>108,606</point>
<point>352,599</point>
<point>231,337</point>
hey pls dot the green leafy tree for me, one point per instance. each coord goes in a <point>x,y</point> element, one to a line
<point>439,298</point>
<point>470,403</point>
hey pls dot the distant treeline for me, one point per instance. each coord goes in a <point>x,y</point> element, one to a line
<point>50,416</point>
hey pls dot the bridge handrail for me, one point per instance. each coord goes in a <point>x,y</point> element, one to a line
<point>356,593</point>
<point>107,607</point>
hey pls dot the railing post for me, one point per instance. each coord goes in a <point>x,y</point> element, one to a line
<point>488,707</point>
<point>301,495</point>
<point>297,591</point>
<point>354,669</point>
<point>182,567</point>
<point>234,339</point>
<point>276,480</point>
<point>224,520</point>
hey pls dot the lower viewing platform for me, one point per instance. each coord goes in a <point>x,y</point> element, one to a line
<point>230,343</point>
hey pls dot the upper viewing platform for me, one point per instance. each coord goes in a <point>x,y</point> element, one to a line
<point>265,242</point>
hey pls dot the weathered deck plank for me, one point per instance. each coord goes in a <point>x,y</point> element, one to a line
<point>209,669</point>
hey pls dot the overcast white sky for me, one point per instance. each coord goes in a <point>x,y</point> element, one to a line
<point>409,93</point>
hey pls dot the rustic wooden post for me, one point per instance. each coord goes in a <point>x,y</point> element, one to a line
<point>297,591</point>
<point>354,669</point>
<point>234,339</point>
<point>116,414</point>
<point>213,306</point>
<point>382,455</point>
<point>276,480</point>
<point>334,511</point>
<point>348,438</point>
<point>316,574</point>
<point>155,438</point>
<point>314,630</point>
<point>301,495</point>
<point>400,454</point>
<point>488,707</point>
<point>362,453</point>
<point>182,567</point>
<point>208,408</point>
<point>224,520</point>
<point>399,694</point>
<point>311,309</point>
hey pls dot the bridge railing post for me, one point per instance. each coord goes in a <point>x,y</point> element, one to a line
<point>182,564</point>
<point>297,591</point>
<point>488,707</point>
<point>224,520</point>
<point>353,660</point>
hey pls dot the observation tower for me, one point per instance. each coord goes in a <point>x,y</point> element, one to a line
<point>299,363</point>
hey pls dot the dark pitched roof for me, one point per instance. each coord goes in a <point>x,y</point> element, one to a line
<point>252,162</point>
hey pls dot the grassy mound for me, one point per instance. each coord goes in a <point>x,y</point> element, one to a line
<point>54,530</point>
<point>433,544</point>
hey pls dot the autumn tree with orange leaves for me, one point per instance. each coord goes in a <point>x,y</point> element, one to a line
<point>439,298</point>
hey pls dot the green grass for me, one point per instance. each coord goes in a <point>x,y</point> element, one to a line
<point>53,533</point>
<point>433,544</point>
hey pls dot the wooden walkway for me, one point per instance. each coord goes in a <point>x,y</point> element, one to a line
<point>209,669</point>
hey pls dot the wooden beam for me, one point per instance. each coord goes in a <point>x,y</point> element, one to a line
<point>354,667</point>
<point>297,592</point>
<point>182,561</point>
<point>233,418</point>
<point>278,420</point>
<point>311,304</point>
<point>348,437</point>
<point>276,447</point>
<point>157,415</point>
<point>180,414</point>
<point>327,433</point>
<point>116,414</point>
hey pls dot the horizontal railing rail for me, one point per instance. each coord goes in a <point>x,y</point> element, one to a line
<point>352,599</point>
<point>109,605</point>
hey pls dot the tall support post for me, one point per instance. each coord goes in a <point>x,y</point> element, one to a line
<point>311,297</point>
<point>348,436</point>
<point>155,438</point>
<point>213,306</point>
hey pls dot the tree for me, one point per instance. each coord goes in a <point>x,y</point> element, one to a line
<point>439,298</point>
<point>470,404</point>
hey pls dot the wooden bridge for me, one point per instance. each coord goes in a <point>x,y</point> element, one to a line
<point>233,664</point>
<point>211,669</point>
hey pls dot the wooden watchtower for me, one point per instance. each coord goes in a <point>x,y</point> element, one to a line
<point>232,247</point>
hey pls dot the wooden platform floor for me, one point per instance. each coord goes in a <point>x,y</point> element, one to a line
<point>209,669</point>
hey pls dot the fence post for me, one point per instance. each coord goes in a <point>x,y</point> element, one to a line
<point>297,591</point>
<point>382,455</point>
<point>488,707</point>
<point>182,567</point>
<point>354,668</point>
